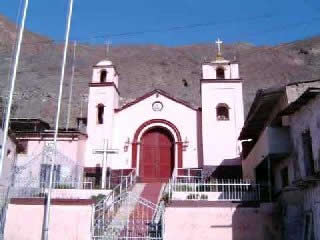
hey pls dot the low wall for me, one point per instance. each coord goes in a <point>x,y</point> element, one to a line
<point>193,220</point>
<point>70,219</point>
<point>215,196</point>
<point>78,193</point>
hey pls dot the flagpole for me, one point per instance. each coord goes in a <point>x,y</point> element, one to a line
<point>45,229</point>
<point>13,82</point>
<point>71,85</point>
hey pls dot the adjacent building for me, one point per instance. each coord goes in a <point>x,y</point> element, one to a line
<point>281,142</point>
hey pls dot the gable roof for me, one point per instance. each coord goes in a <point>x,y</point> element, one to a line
<point>295,106</point>
<point>161,92</point>
<point>28,124</point>
<point>264,101</point>
<point>260,112</point>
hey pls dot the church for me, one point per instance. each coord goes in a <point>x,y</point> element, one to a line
<point>157,134</point>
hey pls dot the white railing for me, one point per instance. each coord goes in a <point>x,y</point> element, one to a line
<point>109,205</point>
<point>27,192</point>
<point>33,188</point>
<point>126,183</point>
<point>72,185</point>
<point>129,217</point>
<point>113,182</point>
<point>182,188</point>
<point>39,189</point>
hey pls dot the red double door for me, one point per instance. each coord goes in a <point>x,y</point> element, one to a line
<point>156,156</point>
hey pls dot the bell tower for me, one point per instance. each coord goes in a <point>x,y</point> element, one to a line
<point>222,110</point>
<point>103,99</point>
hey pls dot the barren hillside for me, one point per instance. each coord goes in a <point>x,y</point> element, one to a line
<point>145,67</point>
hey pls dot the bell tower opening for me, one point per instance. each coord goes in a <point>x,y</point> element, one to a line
<point>220,73</point>
<point>103,76</point>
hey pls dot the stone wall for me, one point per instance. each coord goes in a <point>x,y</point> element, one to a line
<point>297,202</point>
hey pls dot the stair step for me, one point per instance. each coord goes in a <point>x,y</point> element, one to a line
<point>136,211</point>
<point>151,192</point>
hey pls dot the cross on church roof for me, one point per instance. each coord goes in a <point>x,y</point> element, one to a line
<point>108,45</point>
<point>219,43</point>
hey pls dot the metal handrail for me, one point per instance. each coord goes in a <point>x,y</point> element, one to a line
<point>120,218</point>
<point>127,183</point>
<point>231,189</point>
<point>118,191</point>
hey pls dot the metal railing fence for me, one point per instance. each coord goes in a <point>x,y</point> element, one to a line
<point>105,205</point>
<point>39,189</point>
<point>193,188</point>
<point>129,217</point>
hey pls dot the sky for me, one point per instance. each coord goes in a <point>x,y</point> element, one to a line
<point>172,22</point>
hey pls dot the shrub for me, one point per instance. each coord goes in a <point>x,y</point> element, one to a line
<point>204,197</point>
<point>98,198</point>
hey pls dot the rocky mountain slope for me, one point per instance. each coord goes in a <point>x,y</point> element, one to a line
<point>143,68</point>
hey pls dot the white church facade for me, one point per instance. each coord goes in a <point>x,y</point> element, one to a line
<point>158,134</point>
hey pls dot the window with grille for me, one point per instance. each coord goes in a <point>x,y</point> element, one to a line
<point>22,147</point>
<point>308,153</point>
<point>45,174</point>
<point>308,229</point>
<point>284,177</point>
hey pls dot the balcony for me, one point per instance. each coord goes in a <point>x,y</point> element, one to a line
<point>274,142</point>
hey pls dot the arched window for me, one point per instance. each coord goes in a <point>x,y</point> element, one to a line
<point>103,76</point>
<point>220,73</point>
<point>100,113</point>
<point>222,112</point>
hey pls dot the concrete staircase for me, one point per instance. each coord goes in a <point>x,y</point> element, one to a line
<point>132,212</point>
<point>122,209</point>
<point>152,192</point>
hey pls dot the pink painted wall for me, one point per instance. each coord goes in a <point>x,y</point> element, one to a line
<point>73,150</point>
<point>223,223</point>
<point>24,222</point>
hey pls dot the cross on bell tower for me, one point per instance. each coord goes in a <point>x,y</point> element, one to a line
<point>108,45</point>
<point>219,44</point>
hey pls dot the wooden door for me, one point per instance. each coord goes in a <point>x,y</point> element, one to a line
<point>156,156</point>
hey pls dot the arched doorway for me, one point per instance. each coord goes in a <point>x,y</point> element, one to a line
<point>156,155</point>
